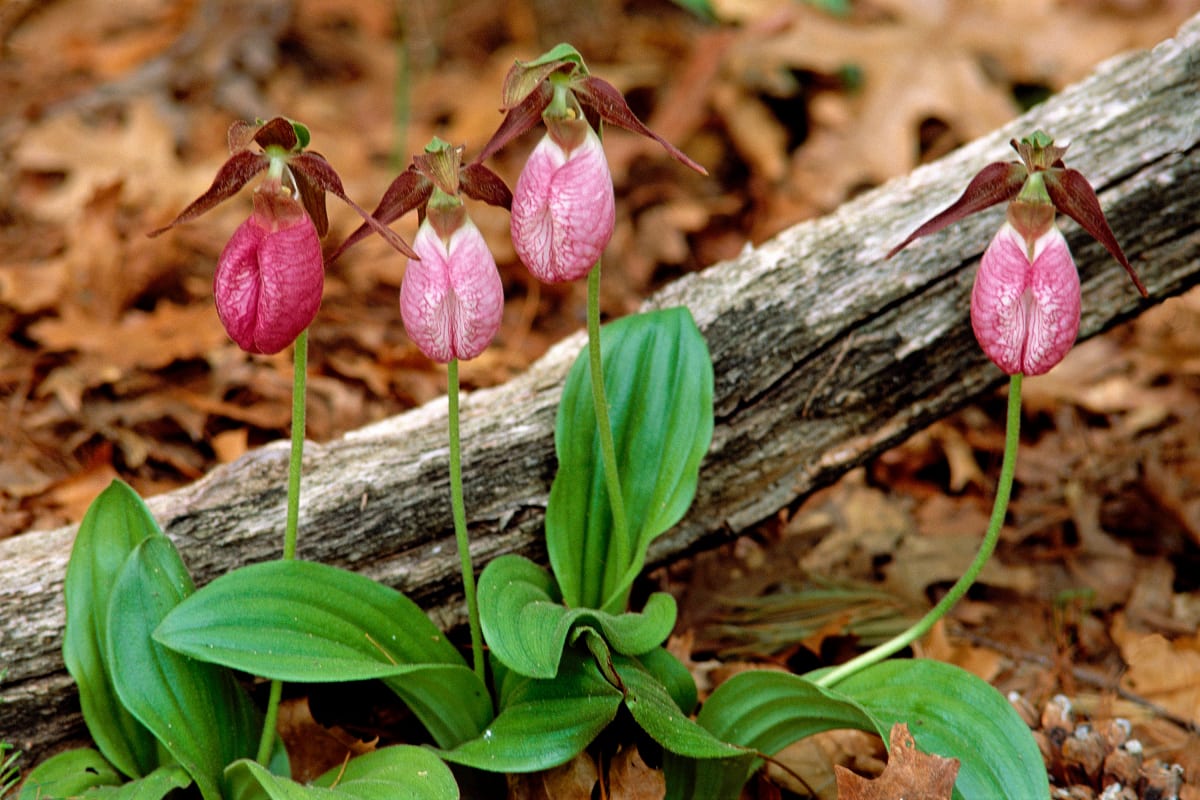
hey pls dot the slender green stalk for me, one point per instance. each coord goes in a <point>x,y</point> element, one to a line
<point>299,390</point>
<point>460,524</point>
<point>1012,438</point>
<point>608,451</point>
<point>266,744</point>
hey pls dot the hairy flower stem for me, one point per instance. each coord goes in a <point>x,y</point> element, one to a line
<point>266,744</point>
<point>458,508</point>
<point>608,451</point>
<point>876,654</point>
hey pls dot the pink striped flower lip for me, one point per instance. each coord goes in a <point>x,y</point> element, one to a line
<point>270,276</point>
<point>563,209</point>
<point>1025,304</point>
<point>452,300</point>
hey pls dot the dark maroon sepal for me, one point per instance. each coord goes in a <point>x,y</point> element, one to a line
<point>323,175</point>
<point>409,190</point>
<point>277,132</point>
<point>313,199</point>
<point>603,98</point>
<point>994,184</point>
<point>1073,195</point>
<point>518,120</point>
<point>480,183</point>
<point>237,170</point>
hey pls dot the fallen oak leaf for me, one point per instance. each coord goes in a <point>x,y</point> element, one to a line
<point>630,778</point>
<point>910,774</point>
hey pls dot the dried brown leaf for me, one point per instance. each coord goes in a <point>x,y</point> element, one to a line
<point>910,774</point>
<point>1164,671</point>
<point>140,340</point>
<point>629,778</point>
<point>574,780</point>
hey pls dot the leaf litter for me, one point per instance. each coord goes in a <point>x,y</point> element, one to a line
<point>115,362</point>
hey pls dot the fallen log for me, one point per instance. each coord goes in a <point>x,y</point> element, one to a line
<point>825,354</point>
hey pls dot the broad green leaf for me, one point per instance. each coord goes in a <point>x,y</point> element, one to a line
<point>653,708</point>
<point>412,773</point>
<point>527,626</point>
<point>658,379</point>
<point>543,723</point>
<point>198,711</point>
<point>949,712</point>
<point>671,673</point>
<point>155,786</point>
<point>449,699</point>
<point>115,523</point>
<point>307,622</point>
<point>952,713</point>
<point>768,710</point>
<point>764,711</point>
<point>69,774</point>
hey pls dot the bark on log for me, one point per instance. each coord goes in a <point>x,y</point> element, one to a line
<point>825,354</point>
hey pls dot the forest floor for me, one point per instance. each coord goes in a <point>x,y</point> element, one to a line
<point>115,364</point>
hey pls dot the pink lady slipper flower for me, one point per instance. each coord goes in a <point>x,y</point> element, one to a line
<point>270,275</point>
<point>1025,304</point>
<point>452,299</point>
<point>563,209</point>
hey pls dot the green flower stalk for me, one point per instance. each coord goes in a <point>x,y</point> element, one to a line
<point>1025,309</point>
<point>563,209</point>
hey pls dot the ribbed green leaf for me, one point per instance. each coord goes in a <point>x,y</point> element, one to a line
<point>412,773</point>
<point>764,711</point>
<point>527,626</point>
<point>307,622</point>
<point>197,710</point>
<point>85,773</point>
<point>659,381</point>
<point>543,723</point>
<point>69,774</point>
<point>673,675</point>
<point>955,714</point>
<point>115,523</point>
<point>155,786</point>
<point>949,711</point>
<point>653,708</point>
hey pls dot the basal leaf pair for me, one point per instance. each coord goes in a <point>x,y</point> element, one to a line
<point>658,379</point>
<point>158,718</point>
<point>558,634</point>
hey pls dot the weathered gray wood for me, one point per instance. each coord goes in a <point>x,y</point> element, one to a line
<point>825,354</point>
